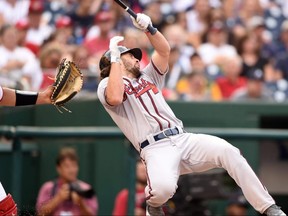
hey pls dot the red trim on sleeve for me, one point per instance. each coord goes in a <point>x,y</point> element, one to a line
<point>157,70</point>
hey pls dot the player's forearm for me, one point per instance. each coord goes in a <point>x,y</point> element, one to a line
<point>11,97</point>
<point>160,56</point>
<point>115,86</point>
<point>8,97</point>
<point>160,44</point>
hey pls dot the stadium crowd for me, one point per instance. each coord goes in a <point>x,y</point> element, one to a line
<point>221,50</point>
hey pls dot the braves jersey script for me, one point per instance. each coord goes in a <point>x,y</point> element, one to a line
<point>144,111</point>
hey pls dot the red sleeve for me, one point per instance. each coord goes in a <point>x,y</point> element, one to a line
<point>120,205</point>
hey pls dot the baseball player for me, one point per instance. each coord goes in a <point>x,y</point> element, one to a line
<point>11,97</point>
<point>134,101</point>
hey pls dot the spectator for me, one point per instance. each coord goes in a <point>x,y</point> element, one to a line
<point>197,64</point>
<point>182,5</point>
<point>231,79</point>
<point>66,195</point>
<point>11,11</point>
<point>281,66</point>
<point>38,31</point>
<point>257,27</point>
<point>280,84</point>
<point>54,9</point>
<point>248,9</point>
<point>181,20</point>
<point>255,90</point>
<point>175,73</point>
<point>121,200</point>
<point>105,20</point>
<point>81,56</point>
<point>49,57</point>
<point>153,9</point>
<point>64,27</point>
<point>217,44</point>
<point>237,205</point>
<point>273,17</point>
<point>82,15</point>
<point>122,19</point>
<point>250,51</point>
<point>63,36</point>
<point>177,37</point>
<point>88,67</point>
<point>281,63</point>
<point>285,8</point>
<point>197,88</point>
<point>22,27</point>
<point>18,65</point>
<point>185,86</point>
<point>199,20</point>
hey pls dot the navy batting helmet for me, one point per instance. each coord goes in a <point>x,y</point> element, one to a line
<point>105,59</point>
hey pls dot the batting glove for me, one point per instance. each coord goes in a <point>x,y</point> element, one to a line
<point>142,21</point>
<point>113,47</point>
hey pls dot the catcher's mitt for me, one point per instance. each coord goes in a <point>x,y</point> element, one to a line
<point>67,83</point>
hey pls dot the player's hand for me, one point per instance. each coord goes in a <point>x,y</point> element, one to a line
<point>44,97</point>
<point>113,47</point>
<point>142,21</point>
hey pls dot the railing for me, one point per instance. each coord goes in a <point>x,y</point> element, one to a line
<point>20,132</point>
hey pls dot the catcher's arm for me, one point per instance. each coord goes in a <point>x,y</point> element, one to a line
<point>12,97</point>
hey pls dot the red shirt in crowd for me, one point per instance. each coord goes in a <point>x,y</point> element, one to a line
<point>228,87</point>
<point>121,202</point>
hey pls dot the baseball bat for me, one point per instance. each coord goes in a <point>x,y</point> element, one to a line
<point>150,28</point>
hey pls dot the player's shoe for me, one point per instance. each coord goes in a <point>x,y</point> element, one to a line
<point>274,210</point>
<point>154,211</point>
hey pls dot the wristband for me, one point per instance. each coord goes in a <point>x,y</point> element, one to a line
<point>151,30</point>
<point>25,98</point>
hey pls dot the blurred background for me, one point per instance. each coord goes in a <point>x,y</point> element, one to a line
<point>228,74</point>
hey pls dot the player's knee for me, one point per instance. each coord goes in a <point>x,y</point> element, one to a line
<point>164,191</point>
<point>230,153</point>
<point>228,149</point>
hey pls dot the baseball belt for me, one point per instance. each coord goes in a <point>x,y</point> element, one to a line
<point>164,134</point>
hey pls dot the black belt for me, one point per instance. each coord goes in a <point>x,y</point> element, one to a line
<point>164,134</point>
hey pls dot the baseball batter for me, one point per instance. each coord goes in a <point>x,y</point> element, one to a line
<point>134,101</point>
<point>11,97</point>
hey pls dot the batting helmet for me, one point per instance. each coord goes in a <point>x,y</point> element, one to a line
<point>105,59</point>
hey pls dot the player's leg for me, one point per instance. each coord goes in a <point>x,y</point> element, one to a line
<point>7,204</point>
<point>206,152</point>
<point>162,166</point>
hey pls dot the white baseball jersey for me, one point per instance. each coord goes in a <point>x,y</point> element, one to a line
<point>144,111</point>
